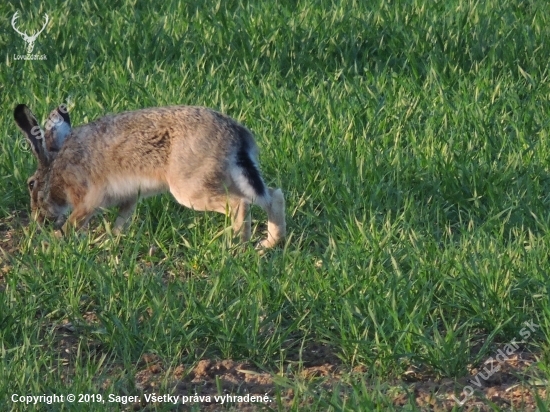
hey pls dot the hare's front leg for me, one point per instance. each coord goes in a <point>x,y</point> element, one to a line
<point>79,218</point>
<point>276,223</point>
<point>125,210</point>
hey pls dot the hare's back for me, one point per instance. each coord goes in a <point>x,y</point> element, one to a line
<point>161,126</point>
<point>154,137</point>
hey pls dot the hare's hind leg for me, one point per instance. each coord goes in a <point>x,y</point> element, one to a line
<point>239,210</point>
<point>229,203</point>
<point>274,204</point>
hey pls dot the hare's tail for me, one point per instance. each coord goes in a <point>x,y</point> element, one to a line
<point>246,174</point>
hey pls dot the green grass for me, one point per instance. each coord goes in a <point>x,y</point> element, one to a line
<point>410,139</point>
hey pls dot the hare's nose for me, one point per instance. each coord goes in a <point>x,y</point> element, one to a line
<point>35,213</point>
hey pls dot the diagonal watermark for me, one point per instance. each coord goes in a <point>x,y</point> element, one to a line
<point>51,122</point>
<point>503,355</point>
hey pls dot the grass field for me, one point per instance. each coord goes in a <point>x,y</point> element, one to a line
<point>411,141</point>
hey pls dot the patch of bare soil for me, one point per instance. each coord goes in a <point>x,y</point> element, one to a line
<point>215,378</point>
<point>503,388</point>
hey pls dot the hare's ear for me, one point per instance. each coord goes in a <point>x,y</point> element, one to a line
<point>58,127</point>
<point>28,125</point>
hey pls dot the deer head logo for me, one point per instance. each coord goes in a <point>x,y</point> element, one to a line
<point>28,39</point>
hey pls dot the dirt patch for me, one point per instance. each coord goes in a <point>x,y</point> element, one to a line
<point>210,378</point>
<point>214,377</point>
<point>218,378</point>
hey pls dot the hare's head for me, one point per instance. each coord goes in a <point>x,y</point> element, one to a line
<point>45,145</point>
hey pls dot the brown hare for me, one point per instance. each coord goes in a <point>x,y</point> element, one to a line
<point>207,160</point>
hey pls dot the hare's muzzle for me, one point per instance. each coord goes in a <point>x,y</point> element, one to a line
<point>38,216</point>
<point>41,217</point>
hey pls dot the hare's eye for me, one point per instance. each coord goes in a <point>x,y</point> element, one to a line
<point>31,184</point>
